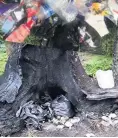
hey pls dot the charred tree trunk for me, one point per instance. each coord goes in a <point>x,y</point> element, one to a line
<point>9,48</point>
<point>31,71</point>
<point>115,58</point>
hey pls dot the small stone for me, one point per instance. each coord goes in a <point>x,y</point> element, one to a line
<point>107,114</point>
<point>58,117</point>
<point>104,123</point>
<point>63,120</point>
<point>92,115</point>
<point>112,116</point>
<point>105,118</point>
<point>66,118</point>
<point>90,135</point>
<point>55,121</point>
<point>49,121</point>
<point>114,122</point>
<point>60,126</point>
<point>68,124</point>
<point>75,120</point>
<point>48,126</point>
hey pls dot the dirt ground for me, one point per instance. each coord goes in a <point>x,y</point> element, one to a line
<point>81,129</point>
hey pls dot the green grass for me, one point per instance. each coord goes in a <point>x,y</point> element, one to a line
<point>3,59</point>
<point>92,63</point>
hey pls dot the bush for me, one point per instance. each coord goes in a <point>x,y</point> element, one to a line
<point>1,36</point>
<point>107,42</point>
<point>3,60</point>
<point>98,62</point>
<point>32,39</point>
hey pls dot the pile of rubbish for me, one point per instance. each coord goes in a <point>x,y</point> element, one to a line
<point>34,114</point>
<point>18,19</point>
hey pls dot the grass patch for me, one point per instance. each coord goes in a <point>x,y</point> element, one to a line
<point>3,60</point>
<point>92,63</point>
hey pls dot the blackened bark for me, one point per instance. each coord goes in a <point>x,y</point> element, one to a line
<point>30,71</point>
<point>9,48</point>
<point>10,83</point>
<point>115,58</point>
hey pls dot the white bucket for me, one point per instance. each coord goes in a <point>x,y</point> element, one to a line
<point>105,79</point>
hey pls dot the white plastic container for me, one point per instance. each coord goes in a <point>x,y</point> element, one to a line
<point>105,79</point>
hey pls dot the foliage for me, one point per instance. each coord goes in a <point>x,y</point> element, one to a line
<point>107,42</point>
<point>32,39</point>
<point>3,59</point>
<point>1,36</point>
<point>97,62</point>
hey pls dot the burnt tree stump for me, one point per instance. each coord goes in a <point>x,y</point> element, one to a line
<point>32,70</point>
<point>29,72</point>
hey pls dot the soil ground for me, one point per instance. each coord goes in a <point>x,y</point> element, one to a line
<point>84,127</point>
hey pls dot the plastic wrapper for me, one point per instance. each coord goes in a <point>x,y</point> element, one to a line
<point>5,10</point>
<point>108,8</point>
<point>113,8</point>
<point>13,19</point>
<point>34,114</point>
<point>97,11</point>
<point>62,107</point>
